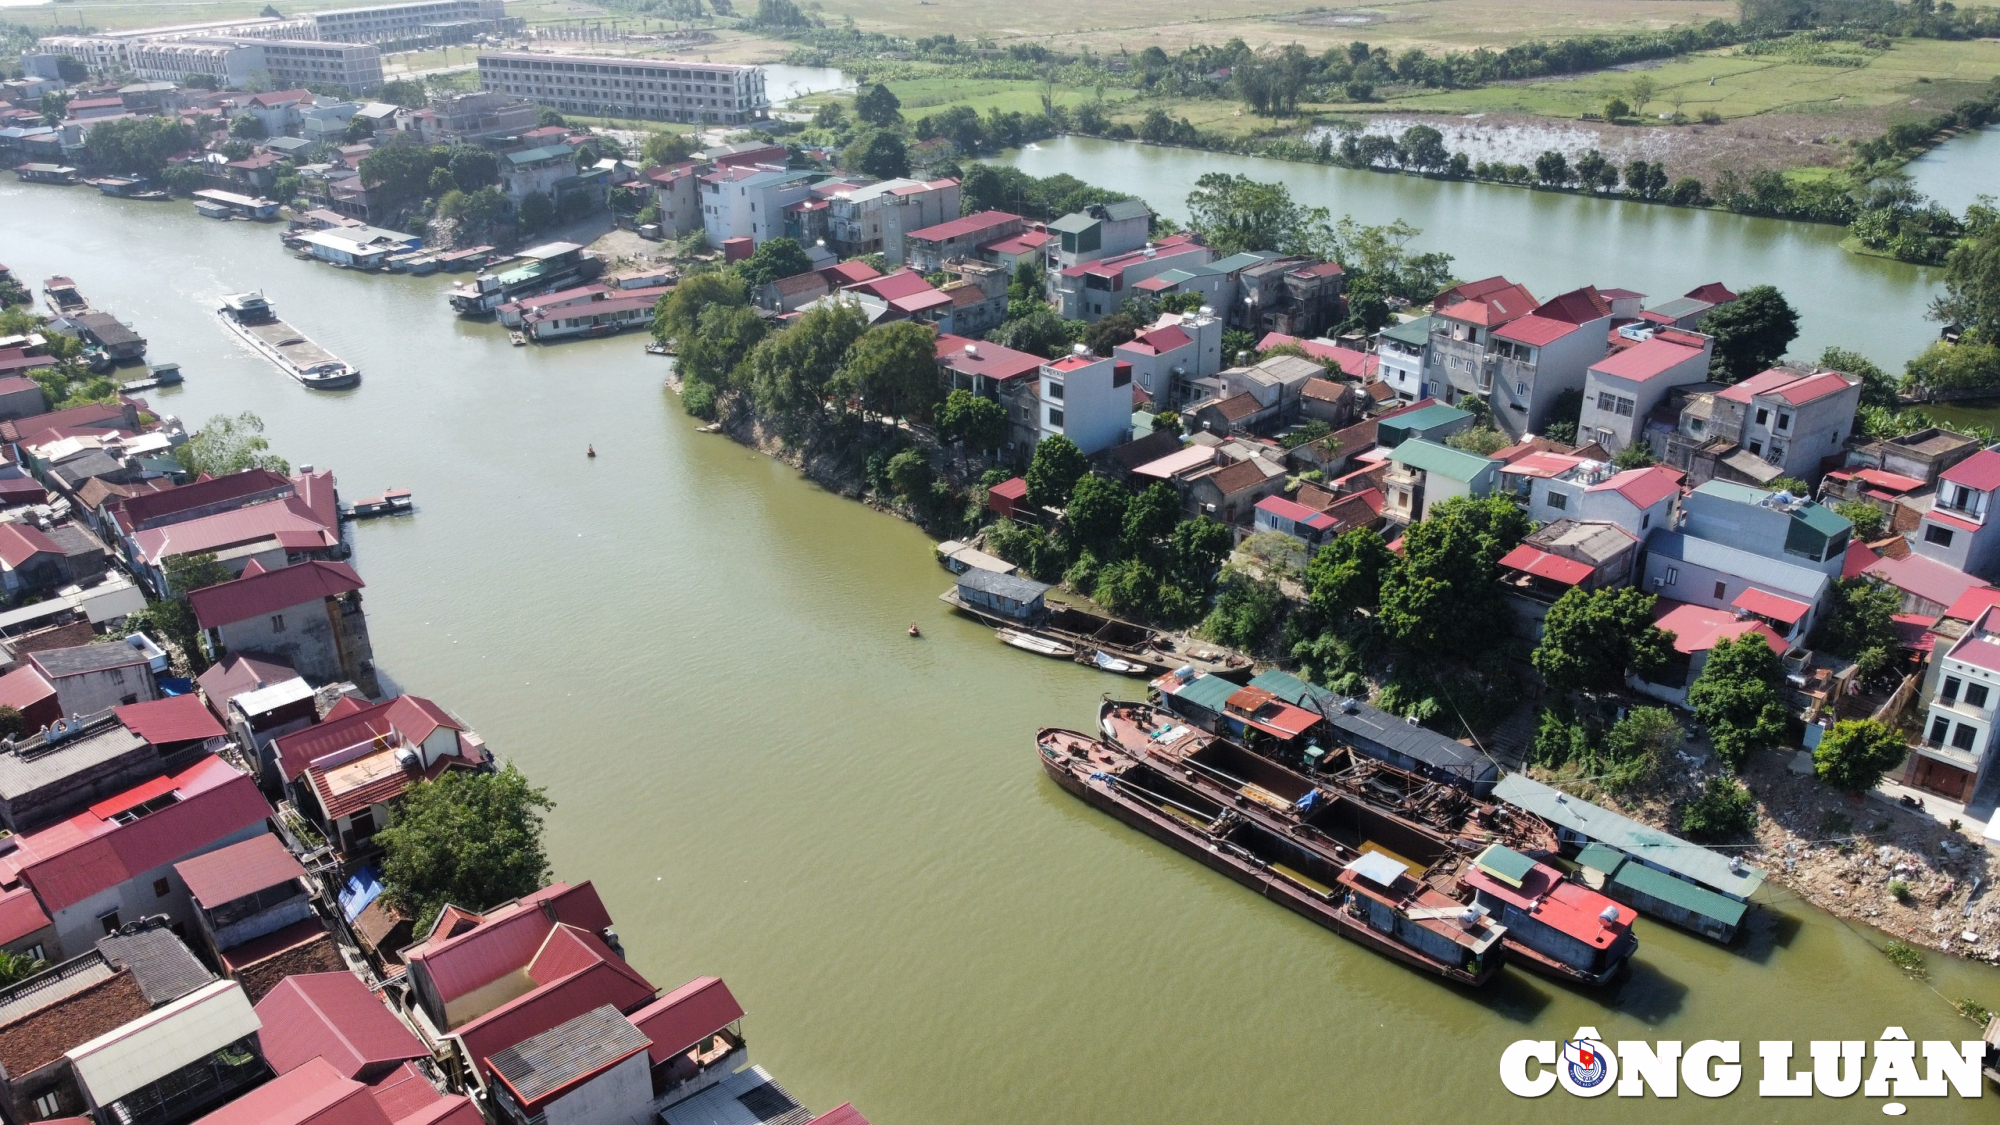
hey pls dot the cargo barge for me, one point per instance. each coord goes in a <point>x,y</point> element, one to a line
<point>251,317</point>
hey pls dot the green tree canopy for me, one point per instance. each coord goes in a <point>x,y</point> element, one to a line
<point>875,105</point>
<point>1233,213</point>
<point>1346,575</point>
<point>1723,811</point>
<point>665,148</point>
<point>468,839</point>
<point>1737,697</point>
<point>891,371</point>
<point>1057,465</point>
<point>879,153</point>
<point>1095,519</point>
<point>1878,387</point>
<point>1855,754</point>
<point>791,371</point>
<point>1442,601</point>
<point>675,315</point>
<point>977,421</point>
<point>1972,285</point>
<point>537,210</point>
<point>138,145</point>
<point>1041,332</point>
<point>1751,333</point>
<point>1590,639</point>
<point>1199,545</point>
<point>1150,519</point>
<point>472,168</point>
<point>1863,617</point>
<point>773,259</point>
<point>406,92</point>
<point>723,336</point>
<point>228,444</point>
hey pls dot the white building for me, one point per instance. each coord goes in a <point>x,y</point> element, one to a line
<point>655,89</point>
<point>1087,399</point>
<point>1624,387</point>
<point>1403,352</point>
<point>1958,728</point>
<point>874,219</point>
<point>433,21</point>
<point>749,202</point>
<point>1176,350</point>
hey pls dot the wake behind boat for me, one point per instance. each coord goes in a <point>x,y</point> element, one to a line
<point>251,317</point>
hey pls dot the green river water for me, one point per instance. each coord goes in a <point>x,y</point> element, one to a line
<point>702,657</point>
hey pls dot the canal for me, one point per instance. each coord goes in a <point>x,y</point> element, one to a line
<point>702,657</point>
<point>1555,241</point>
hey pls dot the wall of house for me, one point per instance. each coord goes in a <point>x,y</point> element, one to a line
<point>1818,430</point>
<point>1562,365</point>
<point>91,692</point>
<point>1096,409</point>
<point>1402,371</point>
<point>324,640</point>
<point>1684,581</point>
<point>1610,506</point>
<point>268,921</point>
<point>622,1095</point>
<point>78,926</point>
<point>1962,715</point>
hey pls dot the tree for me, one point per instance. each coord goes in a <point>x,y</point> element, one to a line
<point>665,148</point>
<point>1041,333</point>
<point>977,421</point>
<point>1346,575</point>
<point>135,144</point>
<point>358,129</point>
<point>248,128</point>
<point>1057,465</point>
<point>1592,638</point>
<point>1095,518</point>
<point>1972,286</point>
<point>1725,810</point>
<point>1615,109</point>
<point>1636,747</point>
<point>1751,333</point>
<point>1168,421</point>
<point>1855,754</point>
<point>18,966</point>
<point>469,839</point>
<point>909,472</point>
<point>1552,168</point>
<point>188,573</point>
<point>1863,617</point>
<point>1233,213</point>
<point>674,317</point>
<point>1422,148</point>
<point>1199,545</point>
<point>875,105</point>
<point>1588,166</point>
<point>773,259</point>
<point>1642,92</point>
<point>537,210</point>
<point>1866,518</point>
<point>1737,697</point>
<point>1442,600</point>
<point>13,724</point>
<point>1638,455</point>
<point>880,153</point>
<point>406,92</point>
<point>1245,609</point>
<point>1150,519</point>
<point>829,116</point>
<point>1109,332</point>
<point>473,168</point>
<point>546,116</point>
<point>1878,387</point>
<point>892,370</point>
<point>723,338</point>
<point>791,371</point>
<point>226,445</point>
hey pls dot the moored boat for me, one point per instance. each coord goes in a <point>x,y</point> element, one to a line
<point>1367,897</point>
<point>1109,663</point>
<point>62,297</point>
<point>252,318</point>
<point>1040,646</point>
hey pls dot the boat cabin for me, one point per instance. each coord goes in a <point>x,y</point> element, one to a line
<point>1563,921</point>
<point>1659,895</point>
<point>1462,936</point>
<point>1003,595</point>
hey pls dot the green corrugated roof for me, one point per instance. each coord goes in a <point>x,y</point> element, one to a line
<point>1710,869</point>
<point>1660,885</point>
<point>1600,858</point>
<point>1826,521</point>
<point>1076,222</point>
<point>1209,692</point>
<point>1729,490</point>
<point>1126,209</point>
<point>1415,333</point>
<point>1505,864</point>
<point>1242,261</point>
<point>1284,685</point>
<point>533,155</point>
<point>1429,417</point>
<point>1434,458</point>
<point>1680,307</point>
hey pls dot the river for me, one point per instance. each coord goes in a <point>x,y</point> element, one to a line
<point>1555,241</point>
<point>702,657</point>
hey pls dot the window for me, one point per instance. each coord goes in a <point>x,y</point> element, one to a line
<point>1645,521</point>
<point>277,623</point>
<point>1975,695</point>
<point>1052,391</point>
<point>1784,420</point>
<point>109,920</point>
<point>1756,449</point>
<point>1721,590</point>
<point>1055,417</point>
<point>1121,375</point>
<point>1673,575</point>
<point>1962,737</point>
<point>118,675</point>
<point>1939,728</point>
<point>1949,692</point>
<point>1520,388</point>
<point>1938,535</point>
<point>161,888</point>
<point>1777,454</point>
<point>1558,501</point>
<point>50,1104</point>
<point>1763,416</point>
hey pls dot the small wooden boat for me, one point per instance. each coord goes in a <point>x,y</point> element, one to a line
<point>657,348</point>
<point>1110,663</point>
<point>914,631</point>
<point>1040,646</point>
<point>519,340</point>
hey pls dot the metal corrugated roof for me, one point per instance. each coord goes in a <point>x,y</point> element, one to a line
<point>332,1016</point>
<point>159,961</point>
<point>1432,457</point>
<point>1671,853</point>
<point>1680,892</point>
<point>230,873</point>
<point>568,1053</point>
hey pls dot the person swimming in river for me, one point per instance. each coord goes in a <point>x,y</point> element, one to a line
<point>590,451</point>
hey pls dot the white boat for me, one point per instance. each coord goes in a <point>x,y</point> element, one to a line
<point>1040,646</point>
<point>251,317</point>
<point>1112,663</point>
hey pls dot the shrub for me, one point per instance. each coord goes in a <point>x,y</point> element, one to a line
<point>1724,810</point>
<point>1899,889</point>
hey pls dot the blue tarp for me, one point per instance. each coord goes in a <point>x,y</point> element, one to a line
<point>175,685</point>
<point>361,889</point>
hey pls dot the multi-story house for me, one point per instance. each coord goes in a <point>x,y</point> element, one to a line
<point>1959,724</point>
<point>750,201</point>
<point>1775,525</point>
<point>1532,360</point>
<point>928,248</point>
<point>1296,296</point>
<point>655,89</point>
<point>1622,389</point>
<point>308,615</point>
<point>677,193</point>
<point>1638,500</point>
<point>1178,349</point>
<point>1787,596</point>
<point>1423,473</point>
<point>1097,288</point>
<point>875,219</point>
<point>1004,375</point>
<point>1087,399</point>
<point>1403,351</point>
<point>1784,422</point>
<point>1463,319</point>
<point>427,23</point>
<point>1101,230</point>
<point>1960,527</point>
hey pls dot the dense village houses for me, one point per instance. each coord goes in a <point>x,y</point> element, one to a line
<point>346,772</point>
<point>1785,422</point>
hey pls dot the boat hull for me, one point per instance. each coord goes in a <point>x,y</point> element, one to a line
<point>317,380</point>
<point>1331,915</point>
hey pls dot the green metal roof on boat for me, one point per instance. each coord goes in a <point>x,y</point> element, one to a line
<point>1287,687</point>
<point>1504,864</point>
<point>1622,833</point>
<point>1415,333</point>
<point>1209,692</point>
<point>1600,858</point>
<point>1698,900</point>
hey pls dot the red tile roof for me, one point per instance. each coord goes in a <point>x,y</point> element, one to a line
<point>1541,564</point>
<point>94,416</point>
<point>849,273</point>
<point>257,595</point>
<point>177,718</point>
<point>902,283</point>
<point>1643,487</point>
<point>21,542</point>
<point>1927,578</point>
<point>20,915</point>
<point>1813,387</point>
<point>334,1017</point>
<point>351,723</point>
<point>990,360</point>
<point>140,510</point>
<point>1764,382</point>
<point>73,859</point>
<point>1890,482</point>
<point>1714,293</point>
<point>1972,603</point>
<point>1763,603</point>
<point>1014,488</point>
<point>1491,301</point>
<point>313,1094</point>
<point>227,874</point>
<point>609,981</point>
<point>1024,243</point>
<point>687,1016</point>
<point>1980,471</point>
<point>1578,306</point>
<point>286,523</point>
<point>842,1114</point>
<point>1163,339</point>
<point>506,938</point>
<point>1699,628</point>
<point>1542,465</point>
<point>964,225</point>
<point>1859,557</point>
<point>1645,360</point>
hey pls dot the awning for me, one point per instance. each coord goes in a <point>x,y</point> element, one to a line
<point>1541,564</point>
<point>1766,604</point>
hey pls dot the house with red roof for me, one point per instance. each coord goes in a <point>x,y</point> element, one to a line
<point>1006,376</point>
<point>247,891</point>
<point>308,615</point>
<point>1533,360</point>
<point>1562,487</point>
<point>1696,630</point>
<point>1088,399</point>
<point>1171,354</point>
<point>1096,288</point>
<point>1959,723</point>
<point>346,772</point>
<point>1796,419</point>
<point>1957,529</point>
<point>276,531</point>
<point>1462,321</point>
<point>1621,390</point>
<point>315,1093</point>
<point>537,1007</point>
<point>338,1020</point>
<point>113,862</point>
<point>30,561</point>
<point>1563,556</point>
<point>1787,597</point>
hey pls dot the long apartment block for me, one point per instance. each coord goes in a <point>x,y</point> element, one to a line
<point>656,89</point>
